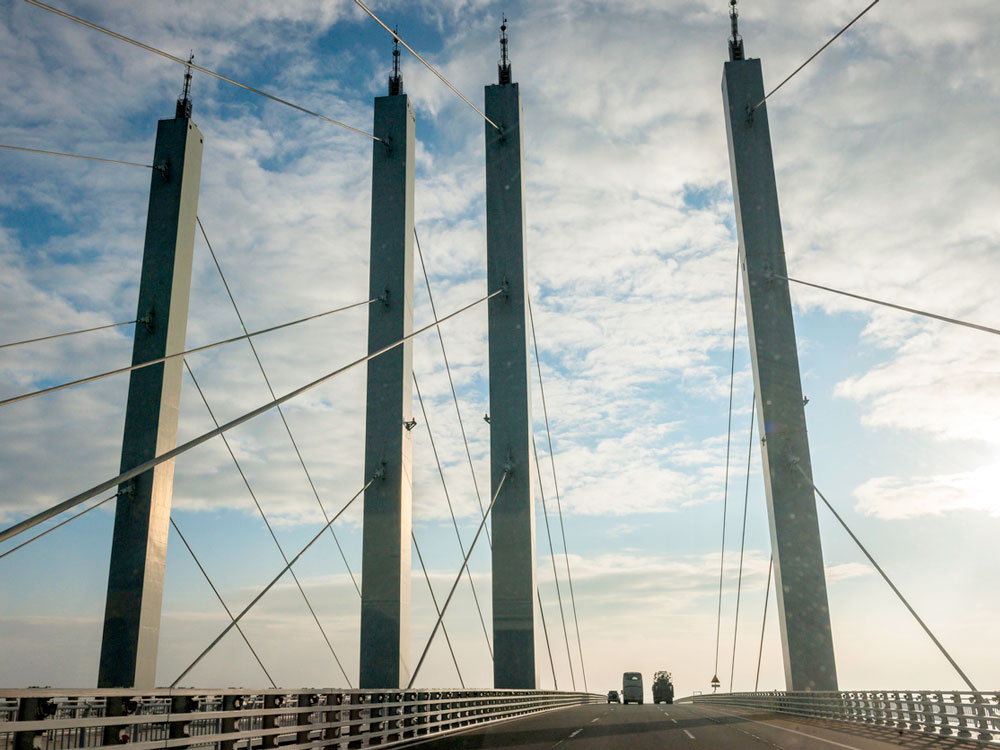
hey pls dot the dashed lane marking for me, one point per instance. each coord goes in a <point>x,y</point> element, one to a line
<point>794,731</point>
<point>596,719</point>
<point>674,720</point>
<point>690,736</point>
<point>576,733</point>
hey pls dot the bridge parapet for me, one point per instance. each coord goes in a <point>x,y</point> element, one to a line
<point>947,713</point>
<point>245,718</point>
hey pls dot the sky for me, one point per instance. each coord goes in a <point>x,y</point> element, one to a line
<point>886,168</point>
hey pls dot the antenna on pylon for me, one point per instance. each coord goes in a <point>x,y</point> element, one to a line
<point>504,67</point>
<point>735,40</point>
<point>396,79</point>
<point>184,103</point>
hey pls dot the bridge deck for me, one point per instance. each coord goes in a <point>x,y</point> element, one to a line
<point>655,727</point>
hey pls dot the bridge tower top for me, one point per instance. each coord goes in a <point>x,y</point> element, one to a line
<point>396,79</point>
<point>503,68</point>
<point>735,40</point>
<point>184,103</point>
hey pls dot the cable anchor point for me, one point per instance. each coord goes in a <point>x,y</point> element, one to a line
<point>503,68</point>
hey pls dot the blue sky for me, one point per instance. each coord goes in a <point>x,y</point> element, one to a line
<point>886,167</point>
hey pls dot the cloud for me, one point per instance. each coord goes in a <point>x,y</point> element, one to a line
<point>898,498</point>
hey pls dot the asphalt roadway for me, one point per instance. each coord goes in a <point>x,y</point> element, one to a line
<point>686,726</point>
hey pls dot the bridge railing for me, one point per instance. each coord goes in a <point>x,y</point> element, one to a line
<point>960,714</point>
<point>242,719</point>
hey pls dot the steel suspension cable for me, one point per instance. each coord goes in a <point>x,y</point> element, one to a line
<point>190,64</point>
<point>12,550</point>
<point>913,310</point>
<point>725,491</point>
<point>67,333</point>
<point>545,630</point>
<point>816,53</point>
<point>451,511</point>
<point>763,622</point>
<point>743,539</point>
<point>168,357</point>
<point>427,65</point>
<point>454,586</point>
<point>80,156</point>
<point>555,483</point>
<point>281,412</point>
<point>269,586</point>
<point>437,609</point>
<point>221,601</point>
<point>267,523</point>
<point>552,557</point>
<point>885,577</point>
<point>195,442</point>
<point>451,384</point>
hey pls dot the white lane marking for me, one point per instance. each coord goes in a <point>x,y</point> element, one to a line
<point>597,719</point>
<point>674,720</point>
<point>576,733</point>
<point>665,711</point>
<point>691,736</point>
<point>794,731</point>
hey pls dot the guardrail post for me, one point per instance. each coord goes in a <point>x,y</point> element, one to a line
<point>916,701</point>
<point>423,709</point>
<point>113,706</point>
<point>28,709</point>
<point>408,710</point>
<point>929,709</point>
<point>901,714</point>
<point>142,514</point>
<point>270,721</point>
<point>395,717</point>
<point>330,716</point>
<point>304,719</point>
<point>945,728</point>
<point>180,728</point>
<point>980,703</point>
<point>228,724</point>
<point>355,715</point>
<point>963,720</point>
<point>800,580</point>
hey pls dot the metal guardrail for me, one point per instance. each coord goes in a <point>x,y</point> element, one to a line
<point>965,715</point>
<point>242,719</point>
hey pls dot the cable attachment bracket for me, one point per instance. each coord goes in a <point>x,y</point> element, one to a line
<point>127,489</point>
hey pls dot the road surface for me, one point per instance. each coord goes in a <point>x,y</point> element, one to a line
<point>687,726</point>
